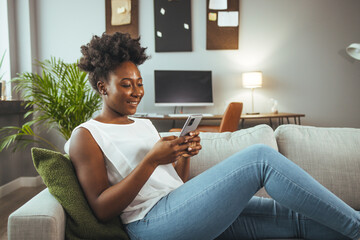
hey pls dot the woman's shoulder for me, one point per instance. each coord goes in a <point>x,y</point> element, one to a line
<point>86,124</point>
<point>79,133</point>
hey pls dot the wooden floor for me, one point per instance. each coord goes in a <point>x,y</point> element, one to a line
<point>13,201</point>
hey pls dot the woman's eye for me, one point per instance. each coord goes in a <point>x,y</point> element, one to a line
<point>126,85</point>
<point>140,84</point>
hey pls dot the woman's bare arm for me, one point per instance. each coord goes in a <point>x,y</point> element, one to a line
<point>109,201</point>
<point>182,167</point>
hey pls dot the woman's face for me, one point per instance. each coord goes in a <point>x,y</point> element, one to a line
<point>124,89</point>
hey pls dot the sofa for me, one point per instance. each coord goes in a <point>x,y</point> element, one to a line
<point>330,155</point>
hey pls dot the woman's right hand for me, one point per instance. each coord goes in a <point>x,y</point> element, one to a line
<point>167,150</point>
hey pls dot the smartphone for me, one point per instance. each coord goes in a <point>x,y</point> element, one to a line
<point>191,124</point>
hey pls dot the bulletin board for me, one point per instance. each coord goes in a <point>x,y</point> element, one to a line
<point>172,25</point>
<point>221,37</point>
<point>120,7</point>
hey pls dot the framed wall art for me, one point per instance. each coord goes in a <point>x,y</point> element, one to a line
<point>172,25</point>
<point>122,16</point>
<point>222,24</point>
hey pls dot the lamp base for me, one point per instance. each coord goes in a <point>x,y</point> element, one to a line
<point>253,113</point>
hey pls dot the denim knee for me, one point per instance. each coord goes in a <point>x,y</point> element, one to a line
<point>261,148</point>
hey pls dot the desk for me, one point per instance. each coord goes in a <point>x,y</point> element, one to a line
<point>271,116</point>
<point>166,117</point>
<point>183,118</point>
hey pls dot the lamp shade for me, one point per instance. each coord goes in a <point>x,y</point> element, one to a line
<point>252,79</point>
<point>354,50</point>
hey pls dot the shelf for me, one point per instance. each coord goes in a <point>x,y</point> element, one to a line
<point>12,107</point>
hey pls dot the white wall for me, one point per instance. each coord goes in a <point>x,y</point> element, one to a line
<point>299,46</point>
<point>63,26</point>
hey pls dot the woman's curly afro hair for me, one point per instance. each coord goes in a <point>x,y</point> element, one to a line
<point>103,54</point>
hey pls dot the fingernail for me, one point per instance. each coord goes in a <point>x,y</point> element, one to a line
<point>189,149</point>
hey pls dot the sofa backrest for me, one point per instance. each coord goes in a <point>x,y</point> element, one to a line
<point>218,146</point>
<point>330,155</point>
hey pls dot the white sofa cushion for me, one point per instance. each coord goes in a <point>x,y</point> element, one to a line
<point>330,155</point>
<point>218,146</point>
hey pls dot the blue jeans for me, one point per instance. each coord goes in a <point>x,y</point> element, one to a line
<point>219,203</point>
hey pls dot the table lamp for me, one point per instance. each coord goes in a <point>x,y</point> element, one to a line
<point>252,80</point>
<point>354,50</point>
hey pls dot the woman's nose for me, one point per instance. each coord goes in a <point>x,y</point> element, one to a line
<point>137,91</point>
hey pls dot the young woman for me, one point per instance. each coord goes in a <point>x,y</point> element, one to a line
<point>126,169</point>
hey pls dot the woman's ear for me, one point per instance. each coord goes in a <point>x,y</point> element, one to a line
<point>101,87</point>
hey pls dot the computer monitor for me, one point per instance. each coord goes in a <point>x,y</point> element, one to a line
<point>183,88</point>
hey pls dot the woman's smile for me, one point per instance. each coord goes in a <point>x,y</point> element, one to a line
<point>134,103</point>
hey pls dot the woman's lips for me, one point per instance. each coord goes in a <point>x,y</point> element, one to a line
<point>133,103</point>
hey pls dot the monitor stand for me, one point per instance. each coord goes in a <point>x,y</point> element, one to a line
<point>181,110</point>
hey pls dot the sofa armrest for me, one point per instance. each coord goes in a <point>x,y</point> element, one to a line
<point>42,217</point>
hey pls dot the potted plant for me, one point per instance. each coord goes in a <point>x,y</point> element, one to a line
<point>60,98</point>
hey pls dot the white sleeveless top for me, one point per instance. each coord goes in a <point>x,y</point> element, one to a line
<point>124,147</point>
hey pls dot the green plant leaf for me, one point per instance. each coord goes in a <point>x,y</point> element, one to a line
<point>59,98</point>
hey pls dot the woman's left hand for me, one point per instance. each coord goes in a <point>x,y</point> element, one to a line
<point>193,139</point>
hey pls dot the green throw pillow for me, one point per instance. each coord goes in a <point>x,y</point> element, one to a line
<point>59,176</point>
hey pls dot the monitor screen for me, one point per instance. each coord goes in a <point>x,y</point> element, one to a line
<point>183,88</point>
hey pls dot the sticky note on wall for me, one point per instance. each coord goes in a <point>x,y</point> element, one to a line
<point>120,12</point>
<point>218,4</point>
<point>212,16</point>
<point>228,19</point>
